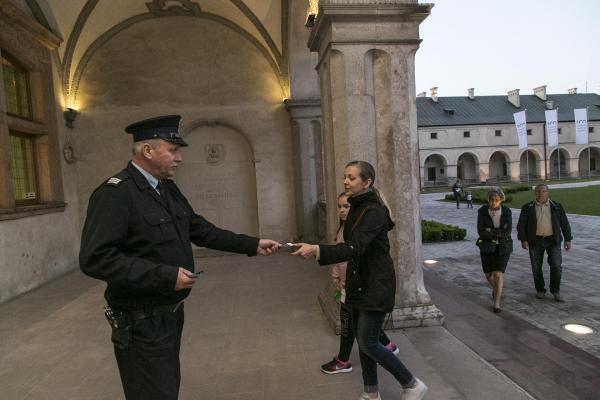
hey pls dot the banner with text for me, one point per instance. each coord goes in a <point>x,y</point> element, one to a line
<point>521,124</point>
<point>552,127</point>
<point>581,126</point>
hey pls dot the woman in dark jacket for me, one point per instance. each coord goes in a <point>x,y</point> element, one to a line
<point>494,225</point>
<point>370,277</point>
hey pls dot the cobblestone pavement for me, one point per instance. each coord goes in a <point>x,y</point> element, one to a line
<point>459,262</point>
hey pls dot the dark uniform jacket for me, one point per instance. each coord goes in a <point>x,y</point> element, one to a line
<point>370,275</point>
<point>136,240</point>
<point>527,224</point>
<point>486,230</point>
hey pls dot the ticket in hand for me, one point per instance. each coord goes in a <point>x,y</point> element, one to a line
<point>290,247</point>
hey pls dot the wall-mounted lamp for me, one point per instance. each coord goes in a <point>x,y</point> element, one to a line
<point>310,20</point>
<point>70,115</point>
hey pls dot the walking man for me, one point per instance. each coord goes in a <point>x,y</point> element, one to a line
<point>136,237</point>
<point>542,226</point>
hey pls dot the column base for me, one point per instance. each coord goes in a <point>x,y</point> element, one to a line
<point>401,317</point>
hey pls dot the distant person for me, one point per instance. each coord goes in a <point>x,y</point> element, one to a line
<point>469,200</point>
<point>494,225</point>
<point>341,363</point>
<point>542,226</point>
<point>457,191</point>
<point>370,278</point>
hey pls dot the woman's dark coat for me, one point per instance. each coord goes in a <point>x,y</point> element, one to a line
<point>370,276</point>
<point>486,230</point>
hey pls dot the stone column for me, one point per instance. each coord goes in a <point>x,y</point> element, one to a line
<point>306,128</point>
<point>366,69</point>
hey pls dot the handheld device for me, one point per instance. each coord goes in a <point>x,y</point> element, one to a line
<point>197,274</point>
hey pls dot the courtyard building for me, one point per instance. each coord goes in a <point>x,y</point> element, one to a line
<point>474,139</point>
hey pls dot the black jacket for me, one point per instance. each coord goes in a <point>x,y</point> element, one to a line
<point>527,224</point>
<point>136,240</point>
<point>370,275</point>
<point>486,230</point>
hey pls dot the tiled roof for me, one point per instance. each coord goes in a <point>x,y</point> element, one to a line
<point>485,110</point>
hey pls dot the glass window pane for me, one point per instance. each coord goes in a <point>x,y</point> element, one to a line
<point>22,163</point>
<point>16,89</point>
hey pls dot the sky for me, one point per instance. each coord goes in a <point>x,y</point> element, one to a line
<point>496,46</point>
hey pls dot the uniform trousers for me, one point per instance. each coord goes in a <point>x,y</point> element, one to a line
<point>149,367</point>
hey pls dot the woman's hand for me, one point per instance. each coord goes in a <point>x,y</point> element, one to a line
<point>305,250</point>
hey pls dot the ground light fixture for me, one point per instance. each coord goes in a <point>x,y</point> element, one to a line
<point>430,262</point>
<point>578,328</point>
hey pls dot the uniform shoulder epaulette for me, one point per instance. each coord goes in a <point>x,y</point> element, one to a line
<point>117,179</point>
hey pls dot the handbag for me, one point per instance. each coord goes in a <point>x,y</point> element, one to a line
<point>486,246</point>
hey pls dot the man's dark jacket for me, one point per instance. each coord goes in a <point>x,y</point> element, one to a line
<point>370,275</point>
<point>136,240</point>
<point>527,224</point>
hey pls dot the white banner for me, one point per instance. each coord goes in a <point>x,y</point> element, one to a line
<point>581,126</point>
<point>552,127</point>
<point>521,124</point>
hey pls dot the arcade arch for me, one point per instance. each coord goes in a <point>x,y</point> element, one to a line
<point>467,168</point>
<point>559,157</point>
<point>589,162</point>
<point>529,165</point>
<point>499,166</point>
<point>435,170</point>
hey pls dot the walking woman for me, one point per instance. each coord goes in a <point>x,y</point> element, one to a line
<point>494,225</point>
<point>370,277</point>
<point>341,363</point>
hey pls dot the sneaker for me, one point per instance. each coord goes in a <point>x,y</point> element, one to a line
<point>365,396</point>
<point>392,347</point>
<point>416,392</point>
<point>558,297</point>
<point>540,295</point>
<point>336,366</point>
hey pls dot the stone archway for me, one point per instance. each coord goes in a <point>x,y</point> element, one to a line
<point>559,157</point>
<point>499,167</point>
<point>528,166</point>
<point>467,168</point>
<point>589,162</point>
<point>218,178</point>
<point>434,169</point>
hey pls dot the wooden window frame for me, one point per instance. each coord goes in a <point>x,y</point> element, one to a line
<point>28,45</point>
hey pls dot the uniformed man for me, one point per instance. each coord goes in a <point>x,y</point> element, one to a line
<point>137,238</point>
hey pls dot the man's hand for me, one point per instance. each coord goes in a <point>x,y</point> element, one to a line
<point>567,245</point>
<point>266,247</point>
<point>305,250</point>
<point>185,279</point>
<point>524,244</point>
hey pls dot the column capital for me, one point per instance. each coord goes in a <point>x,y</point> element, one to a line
<point>372,21</point>
<point>303,108</point>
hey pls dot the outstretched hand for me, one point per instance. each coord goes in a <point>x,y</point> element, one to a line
<point>305,250</point>
<point>266,247</point>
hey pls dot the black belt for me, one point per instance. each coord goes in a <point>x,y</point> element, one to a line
<point>153,311</point>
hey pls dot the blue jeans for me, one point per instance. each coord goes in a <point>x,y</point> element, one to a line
<point>536,255</point>
<point>367,327</point>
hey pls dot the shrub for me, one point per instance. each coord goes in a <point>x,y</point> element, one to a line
<point>433,231</point>
<point>479,196</point>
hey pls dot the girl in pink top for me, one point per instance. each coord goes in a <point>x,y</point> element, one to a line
<point>341,363</point>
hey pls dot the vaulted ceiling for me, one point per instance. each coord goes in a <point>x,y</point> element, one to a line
<point>85,25</point>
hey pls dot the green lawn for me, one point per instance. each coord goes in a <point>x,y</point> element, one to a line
<point>582,200</point>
